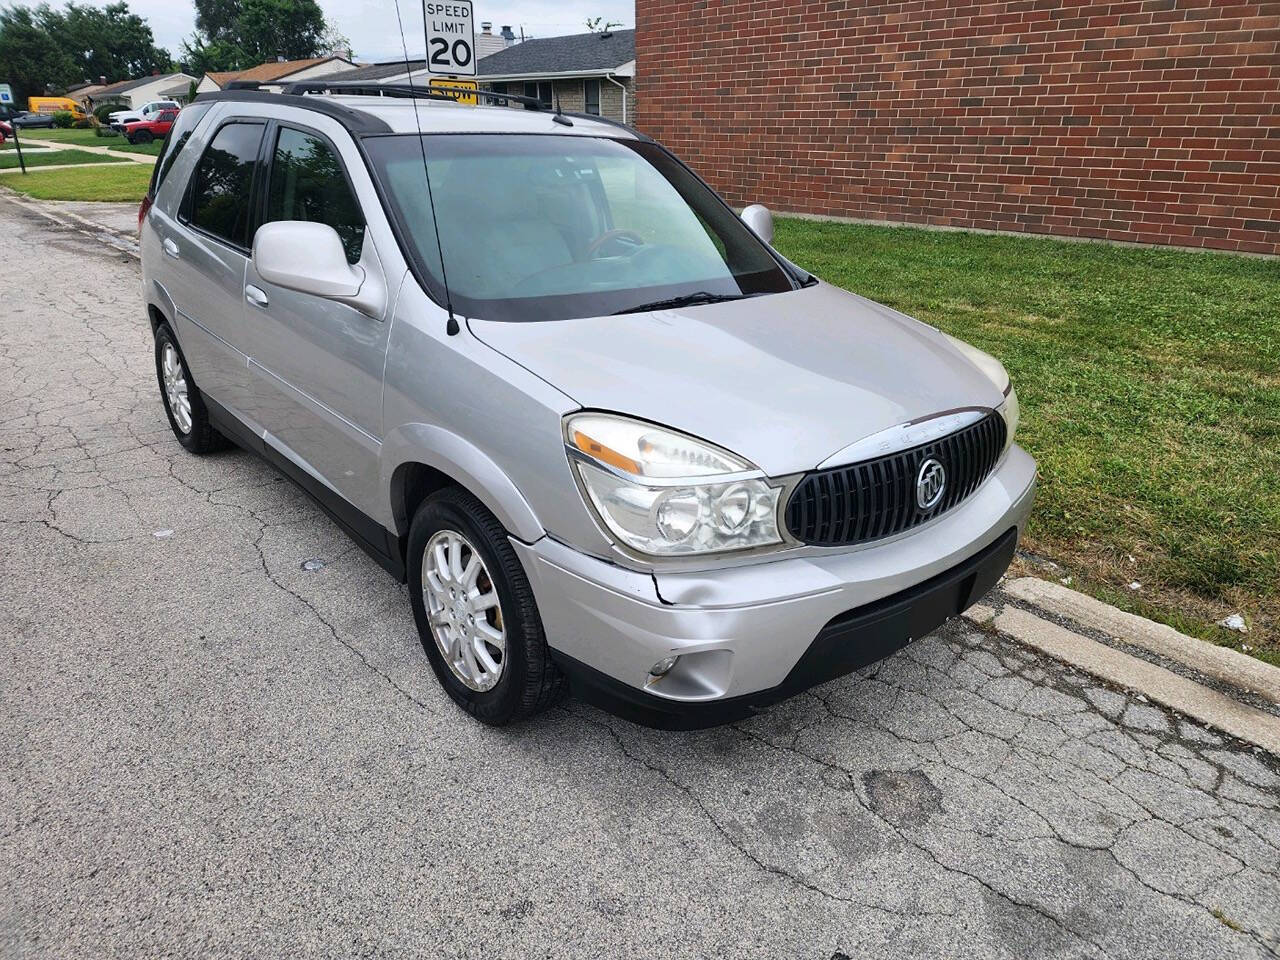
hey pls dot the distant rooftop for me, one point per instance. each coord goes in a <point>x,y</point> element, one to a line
<point>576,53</point>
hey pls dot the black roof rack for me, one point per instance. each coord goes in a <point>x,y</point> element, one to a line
<point>357,121</point>
<point>594,118</point>
<point>408,91</point>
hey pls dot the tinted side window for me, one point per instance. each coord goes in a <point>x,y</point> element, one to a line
<point>307,183</point>
<point>223,182</point>
<point>187,121</point>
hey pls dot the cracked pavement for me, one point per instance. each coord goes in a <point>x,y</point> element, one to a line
<point>209,748</point>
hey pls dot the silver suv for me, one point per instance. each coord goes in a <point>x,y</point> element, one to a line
<point>539,370</point>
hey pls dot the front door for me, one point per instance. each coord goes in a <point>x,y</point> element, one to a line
<point>316,364</point>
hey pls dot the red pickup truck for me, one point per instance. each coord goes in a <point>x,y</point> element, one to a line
<point>144,131</point>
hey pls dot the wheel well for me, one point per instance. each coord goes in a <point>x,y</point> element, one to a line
<point>410,485</point>
<point>156,317</point>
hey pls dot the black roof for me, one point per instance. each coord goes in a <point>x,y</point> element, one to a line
<point>580,51</point>
<point>377,71</point>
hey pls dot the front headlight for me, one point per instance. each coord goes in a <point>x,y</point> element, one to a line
<point>666,494</point>
<point>1012,413</point>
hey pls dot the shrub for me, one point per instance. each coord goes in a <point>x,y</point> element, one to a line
<point>63,119</point>
<point>103,113</point>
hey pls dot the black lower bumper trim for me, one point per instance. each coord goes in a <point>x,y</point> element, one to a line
<point>850,641</point>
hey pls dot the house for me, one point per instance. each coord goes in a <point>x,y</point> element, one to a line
<point>276,73</point>
<point>134,93</point>
<point>585,72</point>
<point>81,93</point>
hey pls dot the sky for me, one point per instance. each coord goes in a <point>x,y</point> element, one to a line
<point>371,26</point>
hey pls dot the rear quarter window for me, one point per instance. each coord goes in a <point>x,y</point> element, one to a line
<point>179,134</point>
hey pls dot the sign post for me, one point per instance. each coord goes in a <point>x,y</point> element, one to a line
<point>6,97</point>
<point>451,45</point>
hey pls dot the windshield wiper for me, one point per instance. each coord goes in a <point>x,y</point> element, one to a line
<point>688,300</point>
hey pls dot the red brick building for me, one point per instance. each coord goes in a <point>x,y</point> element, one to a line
<point>1156,121</point>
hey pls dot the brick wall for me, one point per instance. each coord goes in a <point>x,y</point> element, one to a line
<point>1156,121</point>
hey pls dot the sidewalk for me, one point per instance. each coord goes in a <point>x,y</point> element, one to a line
<point>54,146</point>
<point>115,224</point>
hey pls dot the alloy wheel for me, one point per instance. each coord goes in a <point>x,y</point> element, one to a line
<point>176,394</point>
<point>463,610</point>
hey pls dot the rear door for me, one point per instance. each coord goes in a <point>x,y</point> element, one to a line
<point>208,252</point>
<point>316,365</point>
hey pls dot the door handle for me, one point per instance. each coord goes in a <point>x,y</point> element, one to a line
<point>170,248</point>
<point>257,296</point>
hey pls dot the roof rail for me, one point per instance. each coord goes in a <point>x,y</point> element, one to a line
<point>408,91</point>
<point>243,85</point>
<point>594,118</point>
<point>357,121</point>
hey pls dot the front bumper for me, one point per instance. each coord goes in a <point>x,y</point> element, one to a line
<point>750,635</point>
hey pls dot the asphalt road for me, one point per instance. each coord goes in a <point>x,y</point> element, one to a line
<point>206,748</point>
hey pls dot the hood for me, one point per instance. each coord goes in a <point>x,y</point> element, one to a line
<point>785,380</point>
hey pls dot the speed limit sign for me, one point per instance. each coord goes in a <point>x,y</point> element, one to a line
<point>451,38</point>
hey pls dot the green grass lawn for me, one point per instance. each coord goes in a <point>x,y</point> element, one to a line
<point>1150,390</point>
<point>151,149</point>
<point>45,158</point>
<point>121,181</point>
<point>77,137</point>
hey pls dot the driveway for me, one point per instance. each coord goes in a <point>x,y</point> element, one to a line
<point>219,735</point>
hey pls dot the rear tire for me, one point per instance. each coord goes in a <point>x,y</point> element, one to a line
<point>142,137</point>
<point>183,402</point>
<point>526,681</point>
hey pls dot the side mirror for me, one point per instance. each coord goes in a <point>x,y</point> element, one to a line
<point>306,257</point>
<point>760,220</point>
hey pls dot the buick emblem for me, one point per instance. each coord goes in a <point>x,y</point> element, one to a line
<point>930,482</point>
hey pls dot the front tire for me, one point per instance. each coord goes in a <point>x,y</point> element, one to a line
<point>475,612</point>
<point>183,403</point>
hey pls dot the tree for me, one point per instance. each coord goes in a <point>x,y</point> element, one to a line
<point>600,25</point>
<point>106,42</point>
<point>238,34</point>
<point>33,60</point>
<point>43,48</point>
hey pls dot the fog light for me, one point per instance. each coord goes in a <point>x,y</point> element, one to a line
<point>663,666</point>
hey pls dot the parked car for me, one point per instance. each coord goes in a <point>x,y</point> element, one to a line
<point>609,436</point>
<point>6,131</point>
<point>147,111</point>
<point>32,121</point>
<point>145,131</point>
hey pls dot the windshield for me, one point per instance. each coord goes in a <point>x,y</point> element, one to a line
<point>543,227</point>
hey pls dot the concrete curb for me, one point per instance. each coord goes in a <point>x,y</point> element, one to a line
<point>1218,663</point>
<point>65,218</point>
<point>1187,697</point>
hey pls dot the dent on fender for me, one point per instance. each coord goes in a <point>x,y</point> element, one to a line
<point>465,463</point>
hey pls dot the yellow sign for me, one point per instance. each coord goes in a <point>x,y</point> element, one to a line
<point>450,86</point>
